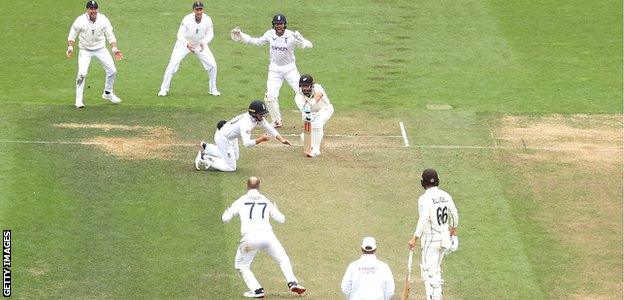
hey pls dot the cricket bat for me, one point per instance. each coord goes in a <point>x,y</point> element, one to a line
<point>408,277</point>
<point>307,139</point>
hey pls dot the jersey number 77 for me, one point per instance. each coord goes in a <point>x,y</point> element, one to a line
<point>253,204</point>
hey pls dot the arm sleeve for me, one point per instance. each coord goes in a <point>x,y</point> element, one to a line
<point>247,39</point>
<point>247,141</point>
<point>181,33</point>
<point>230,212</point>
<point>209,33</point>
<point>454,222</point>
<point>73,31</point>
<point>346,283</point>
<point>389,289</point>
<point>423,213</point>
<point>276,214</point>
<point>108,31</point>
<point>302,42</point>
<point>268,128</point>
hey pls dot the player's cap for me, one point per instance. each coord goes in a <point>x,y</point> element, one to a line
<point>369,243</point>
<point>92,4</point>
<point>429,177</point>
<point>198,5</point>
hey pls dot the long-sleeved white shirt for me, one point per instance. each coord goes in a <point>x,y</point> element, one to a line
<point>254,210</point>
<point>436,212</point>
<point>240,127</point>
<point>315,106</point>
<point>281,48</point>
<point>195,33</point>
<point>368,279</point>
<point>92,34</point>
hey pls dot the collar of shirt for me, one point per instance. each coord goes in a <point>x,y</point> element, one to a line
<point>253,192</point>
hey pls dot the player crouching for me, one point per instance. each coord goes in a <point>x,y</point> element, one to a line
<point>316,109</point>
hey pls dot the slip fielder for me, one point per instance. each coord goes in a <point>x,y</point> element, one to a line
<point>92,28</point>
<point>194,34</point>
<point>282,43</point>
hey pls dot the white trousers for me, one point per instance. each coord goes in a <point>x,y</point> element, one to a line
<point>432,253</point>
<point>275,79</point>
<point>228,154</point>
<point>180,51</point>
<point>318,122</point>
<point>247,250</point>
<point>84,60</point>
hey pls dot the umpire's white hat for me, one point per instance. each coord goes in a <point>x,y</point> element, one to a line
<point>369,243</point>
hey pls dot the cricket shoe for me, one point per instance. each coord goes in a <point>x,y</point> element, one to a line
<point>259,293</point>
<point>79,105</point>
<point>162,93</point>
<point>203,144</point>
<point>296,288</point>
<point>214,92</point>
<point>276,124</point>
<point>111,97</point>
<point>198,161</point>
<point>314,154</point>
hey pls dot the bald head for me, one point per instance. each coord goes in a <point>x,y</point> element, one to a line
<point>253,183</point>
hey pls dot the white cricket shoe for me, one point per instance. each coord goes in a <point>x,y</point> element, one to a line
<point>162,93</point>
<point>214,92</point>
<point>79,105</point>
<point>198,161</point>
<point>259,293</point>
<point>296,288</point>
<point>111,97</point>
<point>314,154</point>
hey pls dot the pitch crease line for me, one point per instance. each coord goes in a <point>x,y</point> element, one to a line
<point>404,134</point>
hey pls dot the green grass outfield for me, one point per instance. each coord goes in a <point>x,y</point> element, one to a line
<point>121,213</point>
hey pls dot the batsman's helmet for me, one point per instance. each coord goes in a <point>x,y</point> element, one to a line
<point>257,107</point>
<point>92,4</point>
<point>279,19</point>
<point>221,123</point>
<point>306,79</point>
<point>429,177</point>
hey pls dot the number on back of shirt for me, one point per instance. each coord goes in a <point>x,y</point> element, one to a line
<point>251,209</point>
<point>442,215</point>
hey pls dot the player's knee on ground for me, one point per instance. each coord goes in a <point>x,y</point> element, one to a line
<point>80,79</point>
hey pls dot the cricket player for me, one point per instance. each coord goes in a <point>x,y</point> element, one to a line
<point>193,37</point>
<point>437,227</point>
<point>254,210</point>
<point>368,278</point>
<point>282,65</point>
<point>93,28</point>
<point>315,107</point>
<point>222,155</point>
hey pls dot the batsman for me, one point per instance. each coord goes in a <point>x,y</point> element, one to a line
<point>437,230</point>
<point>313,102</point>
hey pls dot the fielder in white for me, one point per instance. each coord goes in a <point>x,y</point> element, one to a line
<point>282,65</point>
<point>92,28</point>
<point>222,155</point>
<point>368,278</point>
<point>195,32</point>
<point>437,212</point>
<point>313,102</point>
<point>254,210</point>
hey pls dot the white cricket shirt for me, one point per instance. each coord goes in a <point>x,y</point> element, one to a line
<point>281,48</point>
<point>91,34</point>
<point>241,127</point>
<point>254,210</point>
<point>315,106</point>
<point>368,279</point>
<point>436,211</point>
<point>195,33</point>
